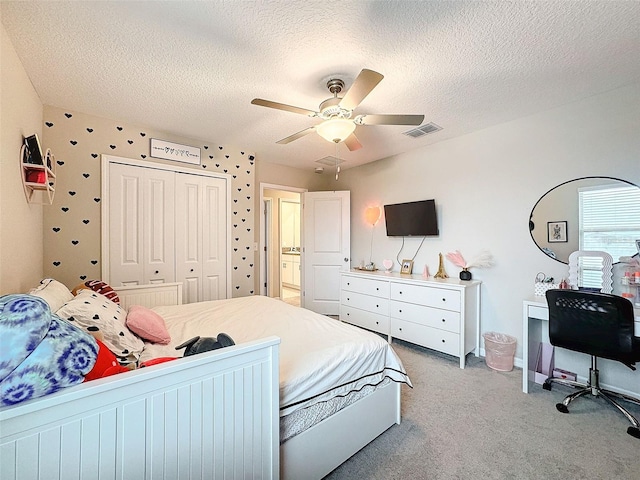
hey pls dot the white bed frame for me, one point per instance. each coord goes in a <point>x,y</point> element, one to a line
<point>208,416</point>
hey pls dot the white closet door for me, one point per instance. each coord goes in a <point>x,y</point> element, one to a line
<point>141,225</point>
<point>201,237</point>
<point>214,239</point>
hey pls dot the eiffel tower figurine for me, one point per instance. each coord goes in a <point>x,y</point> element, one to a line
<point>441,273</point>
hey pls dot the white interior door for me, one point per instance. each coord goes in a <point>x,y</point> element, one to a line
<point>201,237</point>
<point>327,248</point>
<point>141,248</point>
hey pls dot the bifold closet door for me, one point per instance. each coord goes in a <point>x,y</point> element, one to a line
<point>141,225</point>
<point>201,237</point>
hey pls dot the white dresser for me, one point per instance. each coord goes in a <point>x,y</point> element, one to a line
<point>443,315</point>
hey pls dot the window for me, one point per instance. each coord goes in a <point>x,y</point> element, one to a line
<point>609,222</point>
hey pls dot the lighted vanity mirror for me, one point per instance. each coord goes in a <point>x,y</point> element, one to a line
<point>590,213</point>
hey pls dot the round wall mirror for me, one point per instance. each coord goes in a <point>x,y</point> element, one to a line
<point>587,214</point>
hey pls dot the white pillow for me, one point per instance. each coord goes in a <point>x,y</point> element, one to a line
<point>52,292</point>
<point>94,313</point>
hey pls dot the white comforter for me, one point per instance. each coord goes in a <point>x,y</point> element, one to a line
<point>320,358</point>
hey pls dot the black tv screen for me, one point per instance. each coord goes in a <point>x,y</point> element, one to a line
<point>411,219</point>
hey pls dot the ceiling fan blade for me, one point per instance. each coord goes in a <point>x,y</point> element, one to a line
<point>296,136</point>
<point>362,86</point>
<point>352,142</point>
<point>282,106</point>
<point>389,119</point>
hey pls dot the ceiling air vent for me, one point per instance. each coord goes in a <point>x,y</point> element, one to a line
<point>422,130</point>
<point>330,161</point>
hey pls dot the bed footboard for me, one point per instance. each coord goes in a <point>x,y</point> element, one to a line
<point>208,416</point>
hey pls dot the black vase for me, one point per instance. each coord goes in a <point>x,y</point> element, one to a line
<point>465,274</point>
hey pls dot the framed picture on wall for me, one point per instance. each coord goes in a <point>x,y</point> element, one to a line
<point>557,232</point>
<point>407,266</point>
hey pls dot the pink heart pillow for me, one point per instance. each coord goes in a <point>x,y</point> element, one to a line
<point>147,324</point>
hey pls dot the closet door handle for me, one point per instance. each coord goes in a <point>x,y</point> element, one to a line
<point>192,269</point>
<point>157,272</point>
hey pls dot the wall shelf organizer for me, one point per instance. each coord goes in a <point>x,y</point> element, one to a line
<point>38,177</point>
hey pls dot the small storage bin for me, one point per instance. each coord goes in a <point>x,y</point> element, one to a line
<point>499,351</point>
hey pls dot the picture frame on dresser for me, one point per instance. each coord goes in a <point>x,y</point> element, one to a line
<point>406,267</point>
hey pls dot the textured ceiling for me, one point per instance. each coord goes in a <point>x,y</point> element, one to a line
<point>192,68</point>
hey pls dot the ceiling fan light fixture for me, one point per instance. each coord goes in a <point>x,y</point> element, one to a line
<point>336,130</point>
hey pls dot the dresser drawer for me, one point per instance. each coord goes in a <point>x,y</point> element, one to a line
<point>369,286</point>
<point>361,318</point>
<point>365,302</point>
<point>426,295</point>
<point>429,316</point>
<point>434,338</point>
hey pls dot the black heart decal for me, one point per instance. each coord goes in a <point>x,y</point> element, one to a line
<point>236,239</point>
<point>237,166</point>
<point>56,264</point>
<point>244,220</point>
<point>56,229</point>
<point>225,170</point>
<point>85,221</point>
<point>72,193</point>
<point>226,156</point>
<point>60,162</point>
<point>235,249</point>
<point>96,199</point>
<point>68,115</point>
<point>75,242</point>
<point>217,165</point>
<point>96,316</point>
<point>237,287</point>
<point>119,129</point>
<point>204,166</point>
<point>94,262</point>
<point>248,229</point>
<point>129,142</point>
<point>248,209</point>
<point>241,153</point>
<point>112,147</point>
<point>248,198</point>
<point>90,130</point>
<point>122,335</point>
<point>251,157</point>
<point>220,148</point>
<point>235,225</point>
<point>210,157</point>
<point>248,184</point>
<point>251,264</point>
<point>143,156</point>
<point>83,277</point>
<point>86,175</point>
<point>248,172</point>
<point>235,200</point>
<point>142,134</point>
<point>48,124</point>
<point>239,189</point>
<point>251,292</point>
<point>94,155</point>
<point>235,268</point>
<point>233,176</point>
<point>206,147</point>
<point>72,319</point>
<point>73,142</point>
<point>248,276</point>
<point>65,209</point>
<point>244,258</point>
<point>247,248</point>
<point>235,213</point>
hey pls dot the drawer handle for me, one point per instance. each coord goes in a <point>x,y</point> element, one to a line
<point>444,299</point>
<point>443,340</point>
<point>348,299</point>
<point>157,272</point>
<point>348,314</point>
<point>377,288</point>
<point>400,311</point>
<point>400,292</point>
<point>377,306</point>
<point>443,320</point>
<point>192,269</point>
<point>400,328</point>
<point>377,323</point>
<point>348,283</point>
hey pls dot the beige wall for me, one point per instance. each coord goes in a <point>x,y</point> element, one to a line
<point>21,245</point>
<point>72,223</point>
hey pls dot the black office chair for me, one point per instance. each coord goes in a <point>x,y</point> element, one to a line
<point>600,325</point>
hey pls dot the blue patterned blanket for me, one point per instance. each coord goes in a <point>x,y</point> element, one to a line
<point>39,352</point>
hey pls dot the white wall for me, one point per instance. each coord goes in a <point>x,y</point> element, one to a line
<point>21,244</point>
<point>485,185</point>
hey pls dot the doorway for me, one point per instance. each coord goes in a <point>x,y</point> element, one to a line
<point>280,266</point>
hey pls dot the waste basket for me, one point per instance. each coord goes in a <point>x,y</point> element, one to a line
<point>499,351</point>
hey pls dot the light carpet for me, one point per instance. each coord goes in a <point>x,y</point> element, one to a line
<point>477,424</point>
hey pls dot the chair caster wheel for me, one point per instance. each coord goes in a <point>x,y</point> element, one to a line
<point>563,408</point>
<point>546,386</point>
<point>634,431</point>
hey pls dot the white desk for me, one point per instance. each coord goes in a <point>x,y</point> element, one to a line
<point>535,329</point>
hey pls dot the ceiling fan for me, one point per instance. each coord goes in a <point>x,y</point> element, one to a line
<point>337,125</point>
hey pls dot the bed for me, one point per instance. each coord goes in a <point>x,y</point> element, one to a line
<point>218,414</point>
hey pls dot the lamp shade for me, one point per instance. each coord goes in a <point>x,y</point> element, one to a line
<point>336,130</point>
<point>372,215</point>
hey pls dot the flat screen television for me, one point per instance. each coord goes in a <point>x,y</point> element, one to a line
<point>411,219</point>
